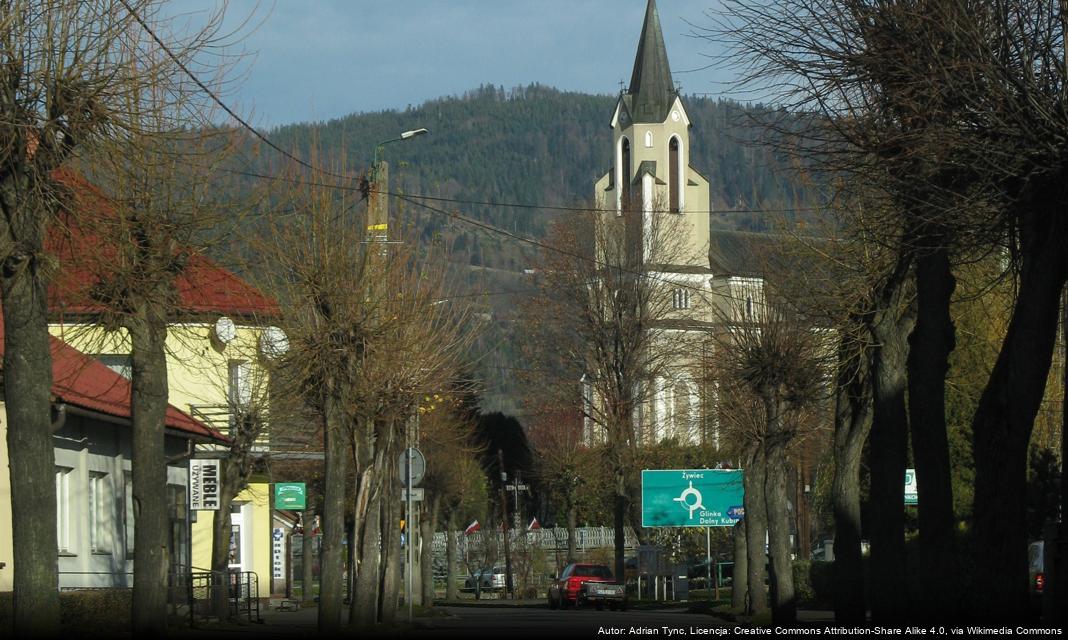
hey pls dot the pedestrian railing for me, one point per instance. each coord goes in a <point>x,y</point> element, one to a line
<point>222,595</point>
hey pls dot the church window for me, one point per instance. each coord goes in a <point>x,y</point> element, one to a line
<point>648,139</point>
<point>680,299</point>
<point>626,178</point>
<point>674,180</point>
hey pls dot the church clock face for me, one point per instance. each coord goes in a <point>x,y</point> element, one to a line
<point>675,116</point>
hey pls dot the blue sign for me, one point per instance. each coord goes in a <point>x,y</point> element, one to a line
<point>692,497</point>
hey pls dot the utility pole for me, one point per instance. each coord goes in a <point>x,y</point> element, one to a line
<point>378,205</point>
<point>504,526</point>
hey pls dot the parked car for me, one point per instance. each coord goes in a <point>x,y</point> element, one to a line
<point>1036,573</point>
<point>580,584</point>
<point>486,580</point>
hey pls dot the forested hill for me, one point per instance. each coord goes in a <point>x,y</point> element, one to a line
<point>537,145</point>
<point>532,146</point>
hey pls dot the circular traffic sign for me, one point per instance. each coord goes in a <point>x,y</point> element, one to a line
<point>418,467</point>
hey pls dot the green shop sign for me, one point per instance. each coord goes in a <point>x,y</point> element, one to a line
<point>290,495</point>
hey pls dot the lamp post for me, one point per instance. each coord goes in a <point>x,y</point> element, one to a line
<point>378,209</point>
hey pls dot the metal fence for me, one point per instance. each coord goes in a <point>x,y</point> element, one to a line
<point>203,595</point>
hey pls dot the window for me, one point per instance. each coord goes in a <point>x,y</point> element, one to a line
<point>120,363</point>
<point>625,181</point>
<point>129,519</point>
<point>680,299</point>
<point>674,179</point>
<point>99,513</point>
<point>648,139</point>
<point>63,509</point>
<point>749,307</point>
<point>239,393</point>
<point>240,386</point>
<point>235,545</point>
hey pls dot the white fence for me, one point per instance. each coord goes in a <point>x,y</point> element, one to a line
<point>585,538</point>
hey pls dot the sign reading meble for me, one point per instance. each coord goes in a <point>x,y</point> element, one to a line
<point>204,485</point>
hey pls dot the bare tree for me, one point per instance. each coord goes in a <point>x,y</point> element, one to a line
<point>71,72</point>
<point>369,337</point>
<point>950,109</point>
<point>556,436</point>
<point>599,280</point>
<point>777,357</point>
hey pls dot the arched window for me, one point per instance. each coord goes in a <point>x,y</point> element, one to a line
<point>674,160</point>
<point>626,177</point>
<point>648,139</point>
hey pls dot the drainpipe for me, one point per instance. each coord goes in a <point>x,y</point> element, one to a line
<point>59,416</point>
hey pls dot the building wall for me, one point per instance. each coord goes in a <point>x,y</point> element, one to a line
<point>199,381</point>
<point>97,551</point>
<point>254,506</point>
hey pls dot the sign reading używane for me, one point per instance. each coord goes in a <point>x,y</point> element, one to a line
<point>691,497</point>
<point>203,485</point>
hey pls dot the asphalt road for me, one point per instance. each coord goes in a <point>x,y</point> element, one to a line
<point>509,622</point>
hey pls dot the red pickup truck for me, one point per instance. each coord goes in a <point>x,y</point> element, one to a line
<point>580,584</point>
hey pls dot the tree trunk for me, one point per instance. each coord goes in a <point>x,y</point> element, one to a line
<point>1005,416</point>
<point>27,398</point>
<point>220,547</point>
<point>756,528</point>
<point>619,521</point>
<point>363,609</point>
<point>781,578</point>
<point>930,345</point>
<point>451,588</point>
<point>426,564</point>
<point>852,422</point>
<point>331,555</point>
<point>148,407</point>
<point>307,555</point>
<point>888,444</point>
<point>572,524</point>
<point>391,549</point>
<point>740,582</point>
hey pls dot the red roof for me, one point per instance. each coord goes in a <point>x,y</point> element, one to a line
<point>203,287</point>
<point>85,382</point>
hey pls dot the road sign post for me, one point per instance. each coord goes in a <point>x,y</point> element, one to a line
<point>691,497</point>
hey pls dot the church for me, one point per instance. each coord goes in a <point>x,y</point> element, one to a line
<point>704,278</point>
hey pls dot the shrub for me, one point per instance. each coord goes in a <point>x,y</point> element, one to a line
<point>82,613</point>
<point>95,611</point>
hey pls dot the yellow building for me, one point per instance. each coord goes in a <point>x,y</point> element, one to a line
<point>93,445</point>
<point>218,349</point>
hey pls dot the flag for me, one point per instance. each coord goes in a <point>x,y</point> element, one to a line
<point>534,524</point>
<point>471,528</point>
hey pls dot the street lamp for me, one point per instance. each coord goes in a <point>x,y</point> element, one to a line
<point>407,135</point>
<point>378,207</point>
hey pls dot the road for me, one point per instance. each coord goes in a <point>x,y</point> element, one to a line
<point>484,621</point>
<point>509,622</point>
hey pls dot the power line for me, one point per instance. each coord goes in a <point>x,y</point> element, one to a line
<point>217,100</point>
<point>547,247</point>
<point>508,205</point>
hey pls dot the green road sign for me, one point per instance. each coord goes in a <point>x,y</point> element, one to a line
<point>290,495</point>
<point>691,497</point>
<point>912,494</point>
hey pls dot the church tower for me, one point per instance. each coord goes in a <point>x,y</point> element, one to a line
<point>651,151</point>
<point>658,198</point>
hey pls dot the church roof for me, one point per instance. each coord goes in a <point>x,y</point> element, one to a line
<point>652,91</point>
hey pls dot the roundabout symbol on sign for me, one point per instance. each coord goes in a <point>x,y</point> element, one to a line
<point>685,503</point>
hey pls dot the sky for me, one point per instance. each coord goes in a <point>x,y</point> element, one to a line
<point>322,59</point>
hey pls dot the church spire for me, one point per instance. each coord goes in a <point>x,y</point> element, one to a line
<point>651,89</point>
